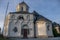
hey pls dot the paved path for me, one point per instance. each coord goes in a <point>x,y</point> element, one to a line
<point>57,38</point>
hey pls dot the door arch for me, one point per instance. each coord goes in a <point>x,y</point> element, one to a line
<point>25,31</point>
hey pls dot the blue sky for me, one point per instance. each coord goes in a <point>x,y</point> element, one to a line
<point>48,8</point>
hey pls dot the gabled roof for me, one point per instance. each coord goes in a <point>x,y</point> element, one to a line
<point>40,16</point>
<point>55,24</point>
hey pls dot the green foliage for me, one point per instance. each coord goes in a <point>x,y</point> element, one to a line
<point>55,33</point>
<point>2,38</point>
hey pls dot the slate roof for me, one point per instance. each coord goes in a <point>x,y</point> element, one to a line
<point>55,24</point>
<point>40,16</point>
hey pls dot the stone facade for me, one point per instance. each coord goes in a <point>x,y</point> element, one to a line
<point>23,24</point>
<point>44,28</point>
<point>16,22</point>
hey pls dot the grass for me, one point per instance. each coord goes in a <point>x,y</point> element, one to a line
<point>2,38</point>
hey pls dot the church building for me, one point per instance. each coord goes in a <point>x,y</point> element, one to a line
<point>23,24</point>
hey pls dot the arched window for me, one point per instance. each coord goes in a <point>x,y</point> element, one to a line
<point>13,16</point>
<point>15,29</point>
<point>48,27</point>
<point>25,25</point>
<point>59,28</point>
<point>20,18</point>
<point>22,8</point>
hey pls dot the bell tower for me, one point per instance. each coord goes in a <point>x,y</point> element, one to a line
<point>22,7</point>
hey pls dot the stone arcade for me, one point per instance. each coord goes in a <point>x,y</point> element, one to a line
<point>23,24</point>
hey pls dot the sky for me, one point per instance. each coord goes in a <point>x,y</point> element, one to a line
<point>48,8</point>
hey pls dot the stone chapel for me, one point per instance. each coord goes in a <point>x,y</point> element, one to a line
<point>24,24</point>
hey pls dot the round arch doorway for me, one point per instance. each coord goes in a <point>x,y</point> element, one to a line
<point>25,31</point>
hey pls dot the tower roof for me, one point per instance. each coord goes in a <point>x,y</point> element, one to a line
<point>23,3</point>
<point>40,17</point>
<point>22,7</point>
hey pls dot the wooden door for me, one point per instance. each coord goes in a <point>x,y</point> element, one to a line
<point>25,33</point>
